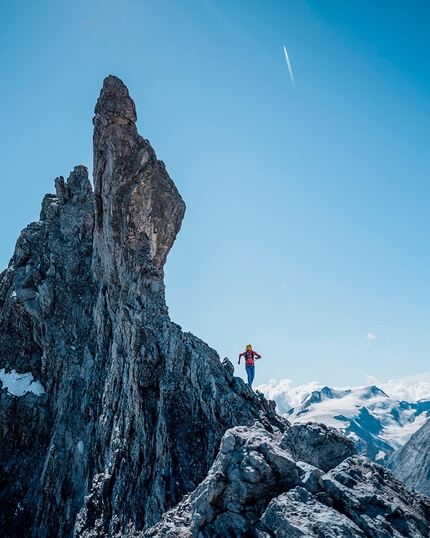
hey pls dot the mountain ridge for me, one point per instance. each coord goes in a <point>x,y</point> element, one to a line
<point>138,428</point>
<point>379,425</point>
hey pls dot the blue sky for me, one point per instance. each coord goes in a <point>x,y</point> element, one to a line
<point>307,225</point>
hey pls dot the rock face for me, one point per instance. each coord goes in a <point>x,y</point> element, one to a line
<point>133,409</point>
<point>110,416</point>
<point>138,210</point>
<point>412,462</point>
<point>257,488</point>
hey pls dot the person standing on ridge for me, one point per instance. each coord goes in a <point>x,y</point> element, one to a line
<point>249,355</point>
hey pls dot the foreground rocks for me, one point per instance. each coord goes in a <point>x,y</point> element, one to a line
<point>257,488</point>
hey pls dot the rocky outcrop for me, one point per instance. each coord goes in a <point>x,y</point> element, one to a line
<point>412,462</point>
<point>47,301</point>
<point>131,410</point>
<point>138,210</point>
<point>256,487</point>
<point>318,445</point>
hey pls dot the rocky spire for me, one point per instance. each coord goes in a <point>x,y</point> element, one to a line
<point>115,104</point>
<point>138,209</point>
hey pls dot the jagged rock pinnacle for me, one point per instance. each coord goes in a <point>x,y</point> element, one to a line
<point>138,209</point>
<point>115,101</point>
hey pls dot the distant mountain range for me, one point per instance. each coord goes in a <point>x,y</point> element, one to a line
<point>378,424</point>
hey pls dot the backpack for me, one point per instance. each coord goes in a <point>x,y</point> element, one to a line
<point>249,358</point>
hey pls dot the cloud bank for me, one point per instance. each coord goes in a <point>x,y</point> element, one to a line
<point>286,396</point>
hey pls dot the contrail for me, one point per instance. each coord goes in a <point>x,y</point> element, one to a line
<point>289,68</point>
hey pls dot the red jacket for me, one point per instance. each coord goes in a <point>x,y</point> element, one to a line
<point>249,355</point>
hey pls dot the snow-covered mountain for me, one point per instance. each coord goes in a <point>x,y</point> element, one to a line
<point>376,423</point>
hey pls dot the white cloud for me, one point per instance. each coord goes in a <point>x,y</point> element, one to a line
<point>285,395</point>
<point>402,391</point>
<point>370,380</point>
<point>371,337</point>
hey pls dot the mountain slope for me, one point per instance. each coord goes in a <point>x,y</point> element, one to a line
<point>412,462</point>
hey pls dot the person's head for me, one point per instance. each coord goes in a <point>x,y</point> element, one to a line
<point>248,347</point>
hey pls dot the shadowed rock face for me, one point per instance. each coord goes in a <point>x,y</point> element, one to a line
<point>134,409</point>
<point>411,463</point>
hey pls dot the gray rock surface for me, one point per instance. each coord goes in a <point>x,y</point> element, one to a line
<point>299,513</point>
<point>380,505</point>
<point>257,488</point>
<point>249,470</point>
<point>411,463</point>
<point>133,409</point>
<point>318,445</point>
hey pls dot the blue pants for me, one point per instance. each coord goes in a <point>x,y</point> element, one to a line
<point>250,371</point>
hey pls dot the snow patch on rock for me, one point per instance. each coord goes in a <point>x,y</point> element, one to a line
<point>19,384</point>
